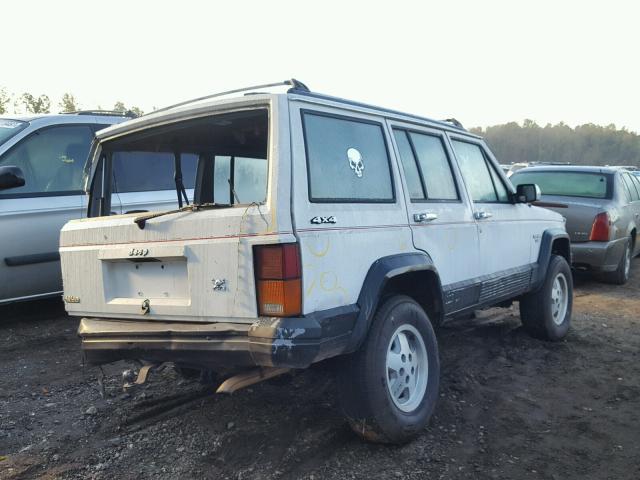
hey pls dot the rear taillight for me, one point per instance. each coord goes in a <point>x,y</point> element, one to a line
<point>600,228</point>
<point>278,279</point>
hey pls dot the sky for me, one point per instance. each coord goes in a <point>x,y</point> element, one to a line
<point>483,62</point>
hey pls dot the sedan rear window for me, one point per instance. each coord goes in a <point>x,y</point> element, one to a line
<point>568,184</point>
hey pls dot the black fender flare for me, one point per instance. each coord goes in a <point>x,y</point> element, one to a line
<point>379,274</point>
<point>549,236</point>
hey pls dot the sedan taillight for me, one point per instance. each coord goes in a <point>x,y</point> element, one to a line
<point>600,228</point>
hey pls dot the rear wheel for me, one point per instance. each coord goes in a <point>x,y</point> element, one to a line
<point>620,275</point>
<point>546,313</point>
<point>389,387</point>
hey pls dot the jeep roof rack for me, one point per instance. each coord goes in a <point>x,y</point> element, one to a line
<point>453,121</point>
<point>296,86</point>
<point>104,113</point>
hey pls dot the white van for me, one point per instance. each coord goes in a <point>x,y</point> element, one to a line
<point>319,227</point>
<point>42,159</point>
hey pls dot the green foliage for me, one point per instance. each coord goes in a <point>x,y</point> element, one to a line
<point>32,104</point>
<point>68,103</point>
<point>120,107</point>
<point>587,144</point>
<point>5,98</point>
<point>137,111</point>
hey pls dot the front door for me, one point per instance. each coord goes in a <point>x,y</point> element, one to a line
<point>506,230</point>
<point>52,160</point>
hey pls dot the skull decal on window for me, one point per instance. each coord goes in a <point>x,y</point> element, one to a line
<point>355,161</point>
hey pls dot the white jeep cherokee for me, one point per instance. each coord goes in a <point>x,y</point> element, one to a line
<point>319,227</point>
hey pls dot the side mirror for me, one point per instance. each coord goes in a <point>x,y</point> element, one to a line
<point>11,177</point>
<point>527,193</point>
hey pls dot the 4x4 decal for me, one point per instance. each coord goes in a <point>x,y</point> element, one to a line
<point>321,220</point>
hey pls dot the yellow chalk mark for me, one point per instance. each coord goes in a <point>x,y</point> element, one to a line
<point>322,252</point>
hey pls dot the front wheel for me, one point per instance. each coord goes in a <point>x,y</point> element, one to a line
<point>389,387</point>
<point>546,313</point>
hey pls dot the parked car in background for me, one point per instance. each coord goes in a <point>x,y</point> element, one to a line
<point>320,227</point>
<point>602,209</point>
<point>49,153</point>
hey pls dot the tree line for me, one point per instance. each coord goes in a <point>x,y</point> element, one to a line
<point>587,144</point>
<point>29,103</point>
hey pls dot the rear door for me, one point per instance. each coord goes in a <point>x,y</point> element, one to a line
<point>52,160</point>
<point>440,213</point>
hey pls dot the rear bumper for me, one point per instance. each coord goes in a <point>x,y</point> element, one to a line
<point>598,256</point>
<point>273,342</point>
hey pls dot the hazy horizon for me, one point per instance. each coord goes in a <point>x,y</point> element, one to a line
<point>483,63</point>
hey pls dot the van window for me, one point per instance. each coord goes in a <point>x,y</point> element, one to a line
<point>149,171</point>
<point>51,159</point>
<point>249,179</point>
<point>347,160</point>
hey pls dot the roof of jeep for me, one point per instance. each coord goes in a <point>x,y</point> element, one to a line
<point>185,110</point>
<point>569,168</point>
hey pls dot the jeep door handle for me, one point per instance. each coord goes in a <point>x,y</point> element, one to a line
<point>482,215</point>
<point>424,217</point>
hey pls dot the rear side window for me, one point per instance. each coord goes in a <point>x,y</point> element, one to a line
<point>150,171</point>
<point>410,166</point>
<point>431,172</point>
<point>636,181</point>
<point>347,160</point>
<point>479,174</point>
<point>631,187</point>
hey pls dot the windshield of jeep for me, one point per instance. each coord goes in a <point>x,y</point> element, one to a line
<point>10,127</point>
<point>227,152</point>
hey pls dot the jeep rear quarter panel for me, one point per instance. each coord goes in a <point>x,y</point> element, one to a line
<point>336,256</point>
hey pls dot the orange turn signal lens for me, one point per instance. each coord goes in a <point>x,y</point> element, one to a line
<point>278,279</point>
<point>280,298</point>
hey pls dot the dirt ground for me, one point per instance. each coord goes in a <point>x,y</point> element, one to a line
<point>510,407</point>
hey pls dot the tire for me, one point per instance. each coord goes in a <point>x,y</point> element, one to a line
<point>400,336</point>
<point>546,313</point>
<point>620,275</point>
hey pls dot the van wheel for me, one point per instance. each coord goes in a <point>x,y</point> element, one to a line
<point>389,387</point>
<point>546,313</point>
<point>620,275</point>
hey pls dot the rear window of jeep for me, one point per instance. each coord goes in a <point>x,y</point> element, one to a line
<point>347,160</point>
